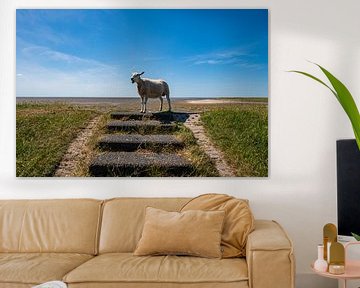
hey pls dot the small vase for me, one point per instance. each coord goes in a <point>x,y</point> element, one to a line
<point>320,264</point>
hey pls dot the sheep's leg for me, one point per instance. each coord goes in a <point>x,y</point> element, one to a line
<point>168,100</point>
<point>142,105</point>
<point>145,102</point>
<point>161,103</point>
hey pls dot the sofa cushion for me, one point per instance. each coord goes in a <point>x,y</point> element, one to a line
<point>127,268</point>
<point>193,232</point>
<point>123,220</point>
<point>63,226</point>
<point>36,268</point>
<point>239,220</point>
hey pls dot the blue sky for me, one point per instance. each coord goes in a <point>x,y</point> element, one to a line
<point>92,53</point>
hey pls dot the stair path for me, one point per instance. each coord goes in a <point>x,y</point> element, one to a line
<point>151,132</point>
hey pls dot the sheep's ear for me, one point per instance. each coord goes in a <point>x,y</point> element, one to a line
<point>142,73</point>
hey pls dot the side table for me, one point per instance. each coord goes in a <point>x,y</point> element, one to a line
<point>352,269</point>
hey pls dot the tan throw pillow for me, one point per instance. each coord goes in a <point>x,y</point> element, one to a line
<point>239,220</point>
<point>196,233</point>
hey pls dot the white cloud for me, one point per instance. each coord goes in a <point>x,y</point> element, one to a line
<point>50,73</point>
<point>237,57</point>
<point>40,53</point>
<point>46,82</point>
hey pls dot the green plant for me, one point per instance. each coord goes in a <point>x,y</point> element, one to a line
<point>346,100</point>
<point>356,236</point>
<point>344,97</point>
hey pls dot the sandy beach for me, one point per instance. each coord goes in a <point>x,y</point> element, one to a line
<point>133,103</point>
<point>222,101</point>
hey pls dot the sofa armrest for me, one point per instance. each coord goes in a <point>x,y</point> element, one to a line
<point>269,255</point>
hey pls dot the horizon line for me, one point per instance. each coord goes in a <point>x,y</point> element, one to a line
<point>139,96</point>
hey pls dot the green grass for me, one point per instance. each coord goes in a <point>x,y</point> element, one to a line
<point>43,133</point>
<point>45,130</point>
<point>242,134</point>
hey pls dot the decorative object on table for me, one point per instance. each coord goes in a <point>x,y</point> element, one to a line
<point>329,236</point>
<point>337,258</point>
<point>350,270</point>
<point>51,284</point>
<point>320,264</point>
<point>336,269</point>
<point>332,251</point>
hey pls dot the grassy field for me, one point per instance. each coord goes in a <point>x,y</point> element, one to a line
<point>43,133</point>
<point>242,134</point>
<point>45,130</point>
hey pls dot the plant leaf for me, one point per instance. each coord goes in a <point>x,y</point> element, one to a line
<point>316,79</point>
<point>356,236</point>
<point>347,102</point>
<point>344,97</point>
<point>357,137</point>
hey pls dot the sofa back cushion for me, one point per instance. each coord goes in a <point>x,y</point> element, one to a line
<point>238,224</point>
<point>66,226</point>
<point>123,220</point>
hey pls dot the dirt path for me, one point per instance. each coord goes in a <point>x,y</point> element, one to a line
<point>77,152</point>
<point>194,124</point>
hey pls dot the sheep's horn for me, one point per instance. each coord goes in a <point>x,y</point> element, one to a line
<point>142,73</point>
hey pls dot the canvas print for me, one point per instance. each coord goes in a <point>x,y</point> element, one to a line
<point>142,93</point>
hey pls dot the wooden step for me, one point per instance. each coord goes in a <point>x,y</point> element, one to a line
<point>132,142</point>
<point>149,126</point>
<point>162,116</point>
<point>130,115</point>
<point>139,164</point>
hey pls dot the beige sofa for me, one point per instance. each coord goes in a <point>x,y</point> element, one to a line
<point>89,243</point>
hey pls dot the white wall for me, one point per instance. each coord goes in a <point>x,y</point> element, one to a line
<point>305,120</point>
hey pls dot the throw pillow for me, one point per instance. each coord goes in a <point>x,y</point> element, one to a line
<point>196,233</point>
<point>238,224</point>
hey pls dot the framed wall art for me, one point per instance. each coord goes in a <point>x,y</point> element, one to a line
<point>142,92</point>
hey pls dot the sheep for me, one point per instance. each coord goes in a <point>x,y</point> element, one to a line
<point>150,88</point>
